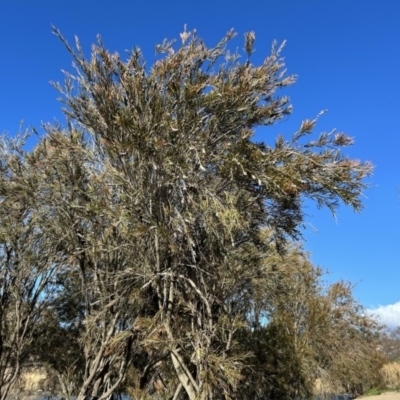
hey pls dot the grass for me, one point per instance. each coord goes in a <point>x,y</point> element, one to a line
<point>391,375</point>
<point>32,380</point>
<point>376,392</point>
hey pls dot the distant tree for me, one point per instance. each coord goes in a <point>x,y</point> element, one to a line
<point>390,344</point>
<point>306,336</point>
<point>155,201</point>
<point>58,346</point>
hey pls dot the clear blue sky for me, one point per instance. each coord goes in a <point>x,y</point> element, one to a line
<point>345,52</point>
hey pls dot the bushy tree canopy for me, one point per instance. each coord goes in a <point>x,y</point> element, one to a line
<point>158,212</point>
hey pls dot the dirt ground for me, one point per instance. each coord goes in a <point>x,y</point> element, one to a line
<point>383,396</point>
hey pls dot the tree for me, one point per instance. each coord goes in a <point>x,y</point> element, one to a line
<point>157,200</point>
<point>26,268</point>
<point>81,216</point>
<point>390,344</point>
<point>331,335</point>
<point>57,339</point>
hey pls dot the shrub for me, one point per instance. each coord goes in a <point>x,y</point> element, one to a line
<point>391,375</point>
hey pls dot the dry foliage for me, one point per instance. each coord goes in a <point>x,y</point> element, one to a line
<point>152,222</point>
<point>391,375</point>
<point>33,380</point>
<point>317,339</point>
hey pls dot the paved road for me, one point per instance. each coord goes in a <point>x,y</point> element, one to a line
<point>384,396</point>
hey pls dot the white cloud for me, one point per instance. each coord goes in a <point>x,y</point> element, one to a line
<point>389,314</point>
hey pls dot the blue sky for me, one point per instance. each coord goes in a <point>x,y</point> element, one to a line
<point>346,54</point>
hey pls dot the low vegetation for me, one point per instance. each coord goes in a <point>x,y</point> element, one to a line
<point>391,375</point>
